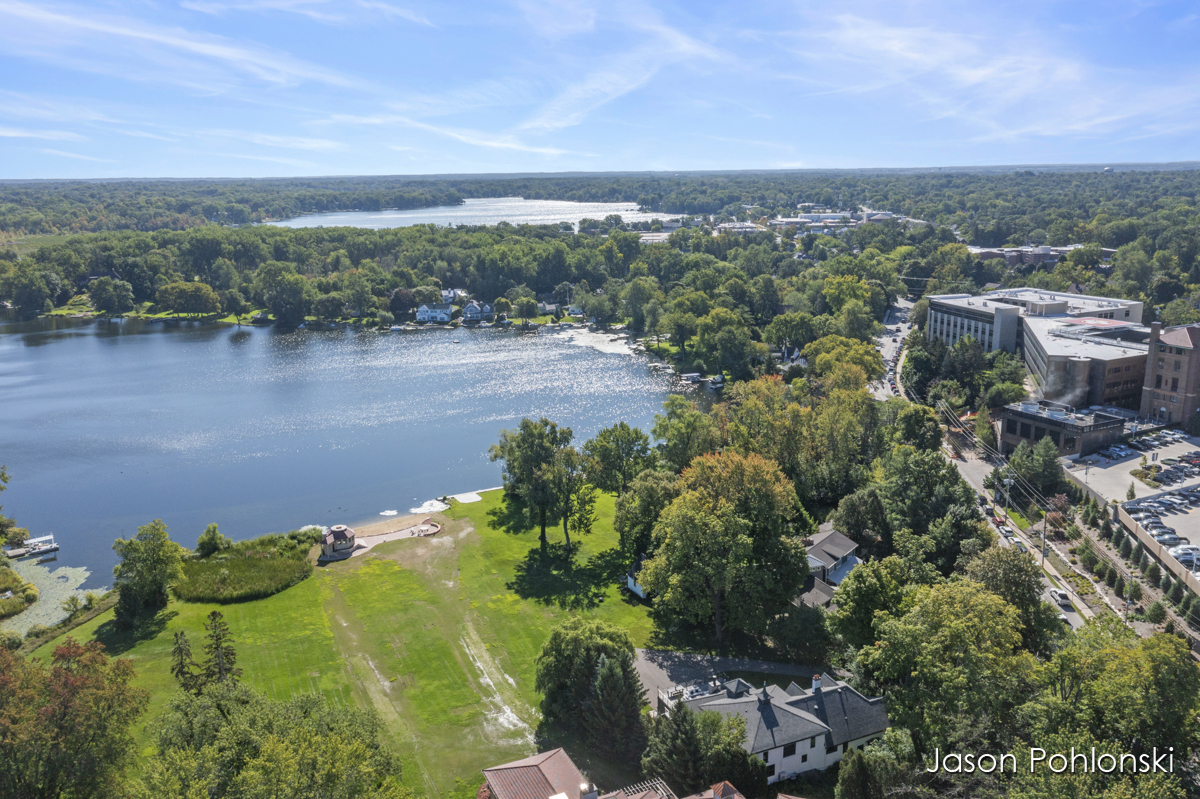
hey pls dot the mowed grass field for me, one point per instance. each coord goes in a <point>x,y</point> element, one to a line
<point>439,635</point>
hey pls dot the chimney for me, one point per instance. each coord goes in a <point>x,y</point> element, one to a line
<point>816,683</point>
<point>587,790</point>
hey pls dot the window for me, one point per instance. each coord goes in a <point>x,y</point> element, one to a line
<point>1025,430</point>
<point>1158,381</point>
<point>1162,348</point>
<point>1126,368</point>
<point>1156,395</point>
<point>803,758</point>
<point>767,756</point>
<point>771,771</point>
<point>789,750</point>
<point>1176,366</point>
<point>1127,312</point>
<point>812,742</point>
<point>1172,398</point>
<point>1160,363</point>
<point>1174,383</point>
<point>1179,350</point>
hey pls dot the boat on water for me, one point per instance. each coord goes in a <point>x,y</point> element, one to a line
<point>690,377</point>
<point>34,546</point>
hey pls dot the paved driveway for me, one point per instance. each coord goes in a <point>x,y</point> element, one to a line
<point>659,670</point>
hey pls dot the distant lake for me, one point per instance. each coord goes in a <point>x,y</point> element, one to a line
<point>490,211</point>
<point>105,426</point>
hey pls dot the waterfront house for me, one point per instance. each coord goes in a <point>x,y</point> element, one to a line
<point>792,730</point>
<point>337,541</point>
<point>435,313</point>
<point>547,309</point>
<point>476,311</point>
<point>453,296</point>
<point>574,310</point>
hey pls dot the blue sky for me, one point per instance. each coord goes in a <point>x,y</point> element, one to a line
<point>206,88</point>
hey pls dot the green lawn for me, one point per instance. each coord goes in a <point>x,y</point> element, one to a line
<point>439,635</point>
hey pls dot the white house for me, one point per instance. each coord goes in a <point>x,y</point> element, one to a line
<point>337,541</point>
<point>435,313</point>
<point>792,730</point>
<point>476,311</point>
<point>451,296</point>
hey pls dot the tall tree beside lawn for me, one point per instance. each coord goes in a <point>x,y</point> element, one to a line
<point>65,726</point>
<point>614,720</point>
<point>150,563</point>
<point>111,297</point>
<point>694,750</point>
<point>220,664</point>
<point>566,666</point>
<point>725,551</point>
<point>526,307</point>
<point>618,454</point>
<point>684,432</point>
<point>526,453</point>
<point>574,496</point>
<point>639,507</point>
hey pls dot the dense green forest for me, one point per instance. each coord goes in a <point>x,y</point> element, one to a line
<point>987,207</point>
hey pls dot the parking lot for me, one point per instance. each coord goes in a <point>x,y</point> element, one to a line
<point>1171,513</point>
<point>1110,477</point>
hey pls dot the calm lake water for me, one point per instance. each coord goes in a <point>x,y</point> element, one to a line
<point>488,211</point>
<point>107,425</point>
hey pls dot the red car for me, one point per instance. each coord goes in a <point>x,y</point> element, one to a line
<point>996,521</point>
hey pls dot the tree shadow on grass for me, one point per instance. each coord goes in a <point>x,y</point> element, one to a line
<point>511,516</point>
<point>610,774</point>
<point>118,638</point>
<point>552,577</point>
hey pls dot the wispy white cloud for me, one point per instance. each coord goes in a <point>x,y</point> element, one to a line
<point>275,140</point>
<point>558,18</point>
<point>48,135</point>
<point>79,157</point>
<point>100,43</point>
<point>623,73</point>
<point>473,137</point>
<point>317,10</point>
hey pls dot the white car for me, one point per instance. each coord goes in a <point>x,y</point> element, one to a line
<point>1060,597</point>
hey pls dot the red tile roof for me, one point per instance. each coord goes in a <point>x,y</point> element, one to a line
<point>538,777</point>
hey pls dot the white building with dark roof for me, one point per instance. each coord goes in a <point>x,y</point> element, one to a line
<point>792,730</point>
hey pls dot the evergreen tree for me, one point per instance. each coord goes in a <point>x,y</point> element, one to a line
<point>855,780</point>
<point>183,667</point>
<point>1110,577</point>
<point>1156,613</point>
<point>674,751</point>
<point>1126,548</point>
<point>614,715</point>
<point>1135,591</point>
<point>983,428</point>
<point>1046,473</point>
<point>1106,526</point>
<point>1176,594</point>
<point>1131,493</point>
<point>219,665</point>
<point>1154,576</point>
<point>1119,586</point>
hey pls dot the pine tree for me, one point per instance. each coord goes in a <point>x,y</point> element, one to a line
<point>1154,576</point>
<point>1119,586</point>
<point>674,752</point>
<point>1135,592</point>
<point>1131,493</point>
<point>1176,594</point>
<point>1106,527</point>
<point>221,656</point>
<point>1126,547</point>
<point>1110,577</point>
<point>614,715</point>
<point>183,667</point>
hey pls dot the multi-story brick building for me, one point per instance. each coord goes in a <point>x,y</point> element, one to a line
<point>1171,392</point>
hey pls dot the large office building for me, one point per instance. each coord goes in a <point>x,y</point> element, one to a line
<point>1172,382</point>
<point>1081,350</point>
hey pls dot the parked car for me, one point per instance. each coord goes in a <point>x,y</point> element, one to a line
<point>1060,597</point>
<point>1168,540</point>
<point>1022,547</point>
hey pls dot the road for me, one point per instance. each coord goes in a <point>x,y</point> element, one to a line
<point>974,470</point>
<point>896,316</point>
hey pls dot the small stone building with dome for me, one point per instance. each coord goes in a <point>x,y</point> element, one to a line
<point>337,541</point>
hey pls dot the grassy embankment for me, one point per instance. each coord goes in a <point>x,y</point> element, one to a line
<point>438,634</point>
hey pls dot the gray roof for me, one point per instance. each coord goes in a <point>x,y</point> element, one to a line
<point>848,714</point>
<point>775,717</point>
<point>830,546</point>
<point>815,593</point>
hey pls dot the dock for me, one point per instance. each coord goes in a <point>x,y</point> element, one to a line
<point>34,546</point>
